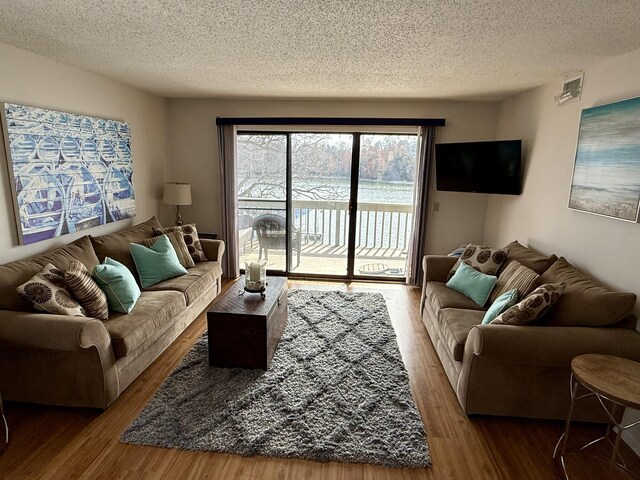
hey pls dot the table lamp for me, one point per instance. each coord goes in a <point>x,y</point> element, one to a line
<point>177,194</point>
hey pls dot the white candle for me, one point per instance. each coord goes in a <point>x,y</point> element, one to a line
<point>254,272</point>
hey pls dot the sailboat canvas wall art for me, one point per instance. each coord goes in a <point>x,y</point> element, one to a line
<point>68,172</point>
<point>606,174</point>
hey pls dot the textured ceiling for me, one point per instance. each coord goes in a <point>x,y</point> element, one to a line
<point>326,48</point>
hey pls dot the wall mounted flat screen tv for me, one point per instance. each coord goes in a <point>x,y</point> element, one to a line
<point>480,167</point>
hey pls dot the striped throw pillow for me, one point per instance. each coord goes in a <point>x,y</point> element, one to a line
<point>515,276</point>
<point>190,237</point>
<point>177,241</point>
<point>86,291</point>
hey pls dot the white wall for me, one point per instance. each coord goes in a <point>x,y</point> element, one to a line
<point>194,151</point>
<point>604,248</point>
<point>34,80</point>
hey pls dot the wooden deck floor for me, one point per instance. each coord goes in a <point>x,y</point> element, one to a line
<point>73,443</point>
<point>317,258</point>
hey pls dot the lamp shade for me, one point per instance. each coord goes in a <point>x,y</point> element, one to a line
<point>177,194</point>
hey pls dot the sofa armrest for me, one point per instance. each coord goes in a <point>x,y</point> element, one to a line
<point>51,332</point>
<point>56,360</point>
<point>436,268</point>
<point>548,346</point>
<point>213,249</point>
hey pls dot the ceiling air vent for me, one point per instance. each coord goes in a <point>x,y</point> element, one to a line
<point>571,89</point>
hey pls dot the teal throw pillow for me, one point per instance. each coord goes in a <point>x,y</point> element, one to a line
<point>118,284</point>
<point>156,263</point>
<point>501,304</point>
<point>472,283</point>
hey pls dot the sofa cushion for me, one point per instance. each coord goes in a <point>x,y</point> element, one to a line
<point>440,296</point>
<point>116,245</point>
<point>118,284</point>
<point>515,276</point>
<point>16,273</point>
<point>86,291</point>
<point>529,258</point>
<point>458,251</point>
<point>156,263</point>
<point>484,259</point>
<point>584,301</point>
<point>177,240</point>
<point>47,291</point>
<point>532,308</point>
<point>153,313</point>
<point>198,279</point>
<point>500,305</point>
<point>472,283</point>
<point>454,325</point>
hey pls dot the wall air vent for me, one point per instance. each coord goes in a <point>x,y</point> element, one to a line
<point>571,89</point>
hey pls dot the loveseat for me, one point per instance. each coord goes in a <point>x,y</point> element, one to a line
<point>524,370</point>
<point>82,361</point>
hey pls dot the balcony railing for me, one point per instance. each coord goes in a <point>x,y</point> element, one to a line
<point>378,225</point>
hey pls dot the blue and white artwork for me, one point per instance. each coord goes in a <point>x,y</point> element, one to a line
<point>69,172</point>
<point>606,175</point>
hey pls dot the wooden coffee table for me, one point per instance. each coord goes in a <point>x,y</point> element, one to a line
<point>244,329</point>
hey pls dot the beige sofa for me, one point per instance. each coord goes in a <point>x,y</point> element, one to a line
<point>81,361</point>
<point>523,370</point>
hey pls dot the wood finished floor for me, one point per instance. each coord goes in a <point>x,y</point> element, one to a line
<point>68,443</point>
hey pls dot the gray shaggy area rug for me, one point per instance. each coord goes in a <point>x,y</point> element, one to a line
<point>337,390</point>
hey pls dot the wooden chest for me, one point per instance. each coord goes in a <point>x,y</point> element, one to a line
<point>244,329</point>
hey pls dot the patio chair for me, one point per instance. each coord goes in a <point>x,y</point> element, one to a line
<point>245,231</point>
<point>271,231</point>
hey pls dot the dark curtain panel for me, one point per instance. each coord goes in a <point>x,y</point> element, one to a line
<point>229,199</point>
<point>417,246</point>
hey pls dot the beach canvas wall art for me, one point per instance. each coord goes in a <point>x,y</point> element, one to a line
<point>68,172</point>
<point>606,174</point>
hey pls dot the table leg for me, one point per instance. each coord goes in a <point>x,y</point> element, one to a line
<point>4,420</point>
<point>573,385</point>
<point>613,462</point>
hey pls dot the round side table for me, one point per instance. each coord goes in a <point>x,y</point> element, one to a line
<point>615,383</point>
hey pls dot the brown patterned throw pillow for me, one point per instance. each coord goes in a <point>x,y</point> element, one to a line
<point>533,307</point>
<point>86,291</point>
<point>190,235</point>
<point>515,276</point>
<point>484,259</point>
<point>177,242</point>
<point>47,292</point>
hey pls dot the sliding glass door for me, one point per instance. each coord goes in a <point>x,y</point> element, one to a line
<point>262,198</point>
<point>386,177</point>
<point>320,195</point>
<point>326,204</point>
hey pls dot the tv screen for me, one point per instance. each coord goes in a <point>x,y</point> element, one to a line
<point>481,167</point>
